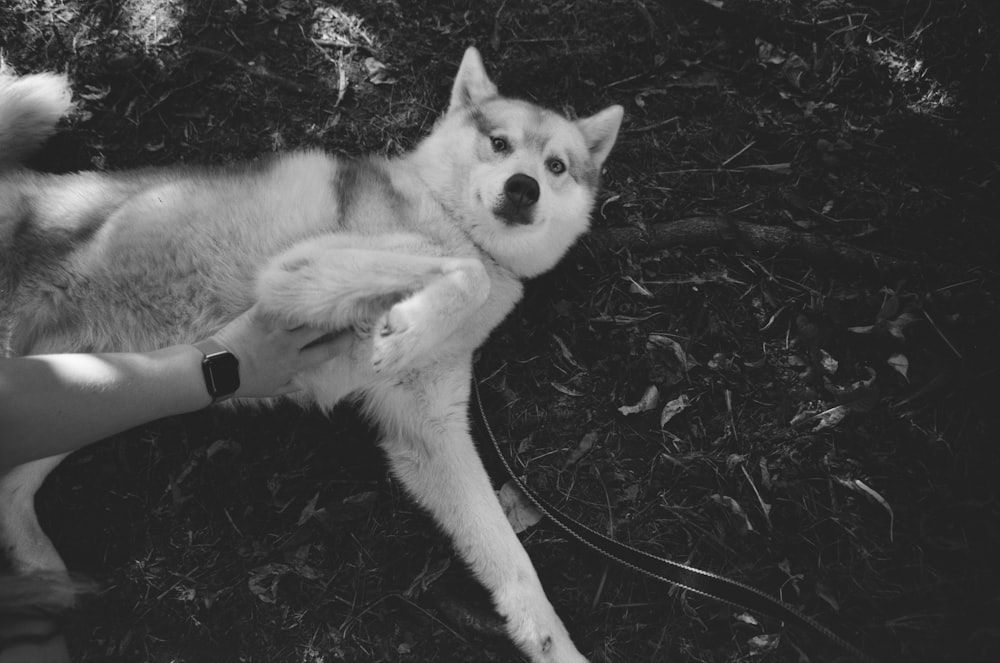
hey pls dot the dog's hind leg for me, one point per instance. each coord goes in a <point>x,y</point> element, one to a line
<point>427,440</point>
<point>25,546</point>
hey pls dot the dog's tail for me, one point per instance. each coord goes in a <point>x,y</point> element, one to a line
<point>30,106</point>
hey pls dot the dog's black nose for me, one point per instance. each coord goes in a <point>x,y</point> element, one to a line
<point>521,190</point>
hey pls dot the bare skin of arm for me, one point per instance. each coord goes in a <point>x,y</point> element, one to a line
<point>52,404</point>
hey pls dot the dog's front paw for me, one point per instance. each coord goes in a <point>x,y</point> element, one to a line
<point>396,337</point>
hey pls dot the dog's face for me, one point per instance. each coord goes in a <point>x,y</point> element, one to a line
<point>521,178</point>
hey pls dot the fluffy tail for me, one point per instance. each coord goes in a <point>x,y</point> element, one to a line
<point>30,106</point>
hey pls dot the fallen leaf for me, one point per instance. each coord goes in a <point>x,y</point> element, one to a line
<point>831,417</point>
<point>649,400</point>
<point>900,364</point>
<point>768,53</point>
<point>890,307</point>
<point>263,582</point>
<point>563,389</point>
<point>665,342</point>
<point>378,72</point>
<point>520,512</point>
<point>872,493</point>
<point>308,511</point>
<point>735,508</point>
<point>582,449</point>
<point>567,355</point>
<point>765,642</point>
<point>224,445</point>
<point>774,168</point>
<point>898,324</point>
<point>824,593</point>
<point>365,500</point>
<point>637,288</point>
<point>673,408</point>
<point>830,365</point>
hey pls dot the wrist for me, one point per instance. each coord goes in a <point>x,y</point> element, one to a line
<point>181,365</point>
<point>220,369</point>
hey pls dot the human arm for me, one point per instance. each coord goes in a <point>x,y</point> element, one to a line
<point>52,404</point>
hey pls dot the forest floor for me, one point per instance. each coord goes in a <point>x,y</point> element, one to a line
<point>797,245</point>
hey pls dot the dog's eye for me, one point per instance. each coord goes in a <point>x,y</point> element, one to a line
<point>499,144</point>
<point>556,166</point>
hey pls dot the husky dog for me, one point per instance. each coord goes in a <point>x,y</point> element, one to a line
<point>422,255</point>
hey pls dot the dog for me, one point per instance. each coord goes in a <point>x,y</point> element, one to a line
<point>422,255</point>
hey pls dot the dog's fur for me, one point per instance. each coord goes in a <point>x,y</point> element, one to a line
<point>422,255</point>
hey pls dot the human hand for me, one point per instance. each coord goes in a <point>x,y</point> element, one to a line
<point>270,356</point>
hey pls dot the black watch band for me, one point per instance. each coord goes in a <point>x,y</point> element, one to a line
<point>221,369</point>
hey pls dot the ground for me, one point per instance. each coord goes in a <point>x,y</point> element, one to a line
<point>796,245</point>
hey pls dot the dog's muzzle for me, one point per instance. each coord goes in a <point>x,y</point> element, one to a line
<point>520,193</point>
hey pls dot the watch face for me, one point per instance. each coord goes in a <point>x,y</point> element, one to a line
<point>222,374</point>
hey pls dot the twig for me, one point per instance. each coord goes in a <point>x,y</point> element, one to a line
<point>735,156</point>
<point>941,334</point>
<point>650,127</point>
<point>334,43</point>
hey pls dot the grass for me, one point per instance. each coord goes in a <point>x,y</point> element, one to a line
<point>278,536</point>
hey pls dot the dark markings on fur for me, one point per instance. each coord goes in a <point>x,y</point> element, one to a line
<point>481,122</point>
<point>12,254</point>
<point>359,181</point>
<point>87,229</point>
<point>581,168</point>
<point>34,254</point>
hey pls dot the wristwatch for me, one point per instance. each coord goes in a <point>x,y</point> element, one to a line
<point>221,369</point>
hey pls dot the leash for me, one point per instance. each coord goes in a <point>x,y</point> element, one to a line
<point>667,571</point>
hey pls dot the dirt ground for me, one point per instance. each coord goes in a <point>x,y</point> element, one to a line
<point>797,246</point>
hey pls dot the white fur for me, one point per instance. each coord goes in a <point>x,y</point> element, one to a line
<point>410,253</point>
<point>29,109</point>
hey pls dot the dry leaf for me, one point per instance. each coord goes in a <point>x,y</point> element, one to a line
<point>309,510</point>
<point>563,389</point>
<point>263,582</point>
<point>864,488</point>
<point>830,365</point>
<point>637,288</point>
<point>582,449</point>
<point>663,341</point>
<point>649,400</point>
<point>900,364</point>
<point>673,408</point>
<point>735,508</point>
<point>830,418</point>
<point>566,354</point>
<point>378,72</point>
<point>520,512</point>
<point>764,643</point>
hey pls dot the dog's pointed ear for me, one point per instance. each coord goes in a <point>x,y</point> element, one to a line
<point>600,130</point>
<point>472,85</point>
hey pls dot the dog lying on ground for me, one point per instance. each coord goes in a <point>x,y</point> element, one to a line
<point>422,255</point>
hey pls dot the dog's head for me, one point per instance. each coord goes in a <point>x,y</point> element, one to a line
<point>521,178</point>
